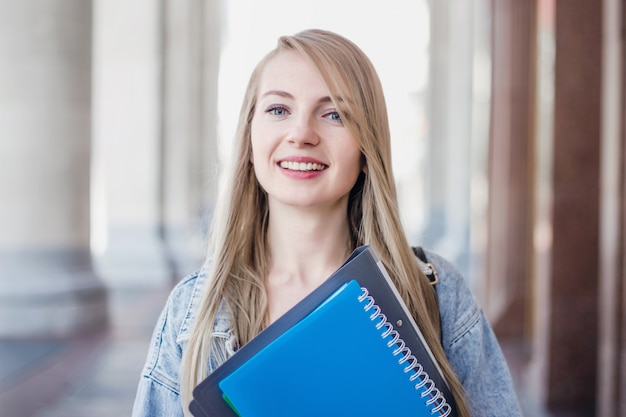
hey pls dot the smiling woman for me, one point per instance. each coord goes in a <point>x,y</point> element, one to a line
<point>315,100</point>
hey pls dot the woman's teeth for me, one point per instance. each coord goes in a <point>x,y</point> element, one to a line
<point>301,166</point>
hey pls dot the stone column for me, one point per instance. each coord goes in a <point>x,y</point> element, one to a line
<point>564,362</point>
<point>450,130</point>
<point>510,163</point>
<point>47,285</point>
<point>190,64</point>
<point>127,128</point>
<point>611,399</point>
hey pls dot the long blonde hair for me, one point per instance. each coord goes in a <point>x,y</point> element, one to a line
<point>238,247</point>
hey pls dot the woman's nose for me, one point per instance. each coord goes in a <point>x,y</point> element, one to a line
<point>303,132</point>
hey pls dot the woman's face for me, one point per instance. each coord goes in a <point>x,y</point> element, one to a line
<point>303,154</point>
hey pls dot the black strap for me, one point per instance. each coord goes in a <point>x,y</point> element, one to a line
<point>432,276</point>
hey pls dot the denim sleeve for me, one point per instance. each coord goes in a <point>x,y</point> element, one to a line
<point>472,348</point>
<point>158,392</point>
<point>156,400</point>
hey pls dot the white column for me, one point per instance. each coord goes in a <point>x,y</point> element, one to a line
<point>191,52</point>
<point>450,121</point>
<point>47,284</point>
<point>127,129</point>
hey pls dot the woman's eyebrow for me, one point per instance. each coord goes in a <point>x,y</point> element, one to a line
<point>285,94</point>
<point>279,93</point>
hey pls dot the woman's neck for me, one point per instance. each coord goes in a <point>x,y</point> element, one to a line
<point>306,248</point>
<point>301,239</point>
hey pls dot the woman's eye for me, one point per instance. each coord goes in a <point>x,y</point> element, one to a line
<point>277,111</point>
<point>334,116</point>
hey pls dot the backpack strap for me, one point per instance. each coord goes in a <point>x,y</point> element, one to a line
<point>429,270</point>
<point>431,273</point>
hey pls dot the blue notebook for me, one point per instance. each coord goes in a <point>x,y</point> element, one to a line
<point>363,266</point>
<point>343,359</point>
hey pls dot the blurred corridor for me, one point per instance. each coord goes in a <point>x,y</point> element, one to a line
<point>509,153</point>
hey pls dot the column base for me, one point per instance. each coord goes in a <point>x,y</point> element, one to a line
<point>50,294</point>
<point>134,258</point>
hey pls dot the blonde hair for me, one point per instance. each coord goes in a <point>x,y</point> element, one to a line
<point>238,248</point>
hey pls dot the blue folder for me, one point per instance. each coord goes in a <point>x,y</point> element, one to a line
<point>365,267</point>
<point>335,362</point>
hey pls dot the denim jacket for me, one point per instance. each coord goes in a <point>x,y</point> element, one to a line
<point>468,340</point>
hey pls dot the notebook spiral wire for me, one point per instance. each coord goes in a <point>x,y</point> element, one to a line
<point>423,382</point>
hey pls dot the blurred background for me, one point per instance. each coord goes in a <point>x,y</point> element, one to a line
<point>509,155</point>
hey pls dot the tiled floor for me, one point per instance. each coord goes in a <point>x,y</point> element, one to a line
<point>93,375</point>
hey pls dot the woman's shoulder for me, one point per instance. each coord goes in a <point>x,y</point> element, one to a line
<point>176,316</point>
<point>451,282</point>
<point>183,302</point>
<point>471,345</point>
<point>165,351</point>
<point>457,307</point>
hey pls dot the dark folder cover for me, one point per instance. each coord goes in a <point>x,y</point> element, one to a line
<point>365,267</point>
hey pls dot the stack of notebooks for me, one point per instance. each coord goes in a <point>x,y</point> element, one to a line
<point>350,348</point>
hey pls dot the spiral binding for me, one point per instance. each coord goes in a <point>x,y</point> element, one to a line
<point>424,384</point>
